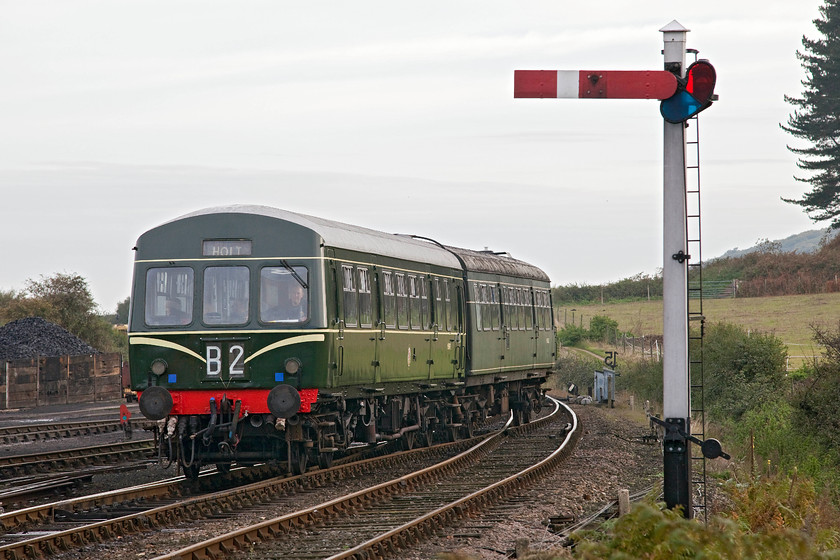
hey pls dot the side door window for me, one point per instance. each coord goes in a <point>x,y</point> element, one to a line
<point>351,309</point>
<point>365,309</point>
<point>389,300</point>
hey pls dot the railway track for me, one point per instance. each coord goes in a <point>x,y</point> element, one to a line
<point>380,520</point>
<point>52,430</point>
<point>69,459</point>
<point>107,515</point>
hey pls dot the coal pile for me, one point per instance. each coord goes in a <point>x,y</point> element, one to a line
<point>33,336</point>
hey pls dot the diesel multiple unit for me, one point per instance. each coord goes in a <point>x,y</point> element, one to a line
<point>261,335</point>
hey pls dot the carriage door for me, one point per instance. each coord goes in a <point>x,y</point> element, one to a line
<point>500,319</point>
<point>369,316</point>
<point>531,323</point>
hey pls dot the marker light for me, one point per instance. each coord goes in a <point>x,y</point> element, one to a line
<point>292,366</point>
<point>694,93</point>
<point>159,367</point>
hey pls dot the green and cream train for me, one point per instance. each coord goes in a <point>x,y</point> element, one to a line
<point>261,335</point>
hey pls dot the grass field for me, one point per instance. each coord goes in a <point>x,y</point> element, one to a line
<point>788,317</point>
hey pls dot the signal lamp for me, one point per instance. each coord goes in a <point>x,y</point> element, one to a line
<point>694,93</point>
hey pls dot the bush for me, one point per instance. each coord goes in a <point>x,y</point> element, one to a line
<point>643,378</point>
<point>742,370</point>
<point>576,369</point>
<point>602,328</point>
<point>571,335</point>
<point>656,534</point>
<point>817,403</point>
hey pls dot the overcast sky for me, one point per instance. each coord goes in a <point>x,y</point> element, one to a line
<point>398,116</point>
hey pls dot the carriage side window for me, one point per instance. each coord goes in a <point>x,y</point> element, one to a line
<point>389,300</point>
<point>545,311</point>
<point>493,292</point>
<point>402,301</point>
<point>479,316</point>
<point>413,302</point>
<point>520,309</point>
<point>365,313</point>
<point>348,285</point>
<point>448,305</point>
<point>226,295</point>
<point>487,311</point>
<point>284,294</point>
<point>441,305</point>
<point>425,317</point>
<point>169,296</point>
<point>529,309</point>
<point>510,310</point>
<point>539,305</point>
<point>439,314</point>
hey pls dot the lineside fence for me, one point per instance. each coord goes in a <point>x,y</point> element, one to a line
<point>60,380</point>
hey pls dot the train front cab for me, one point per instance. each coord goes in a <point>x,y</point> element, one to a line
<point>209,340</point>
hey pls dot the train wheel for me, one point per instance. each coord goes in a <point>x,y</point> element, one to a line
<point>469,429</point>
<point>223,468</point>
<point>297,457</point>
<point>325,460</point>
<point>423,439</point>
<point>408,440</point>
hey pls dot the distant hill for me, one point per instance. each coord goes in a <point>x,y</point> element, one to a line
<point>799,264</point>
<point>805,242</point>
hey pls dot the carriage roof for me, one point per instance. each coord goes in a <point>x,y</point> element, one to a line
<point>356,238</point>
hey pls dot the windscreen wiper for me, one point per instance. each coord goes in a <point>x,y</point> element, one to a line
<point>295,275</point>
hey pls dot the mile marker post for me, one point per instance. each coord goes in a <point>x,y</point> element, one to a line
<point>683,93</point>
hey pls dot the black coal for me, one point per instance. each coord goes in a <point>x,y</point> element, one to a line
<point>33,336</point>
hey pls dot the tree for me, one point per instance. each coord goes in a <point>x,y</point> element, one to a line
<point>817,118</point>
<point>122,311</point>
<point>817,402</point>
<point>68,296</point>
<point>742,369</point>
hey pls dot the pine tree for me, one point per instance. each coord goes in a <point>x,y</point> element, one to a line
<point>817,118</point>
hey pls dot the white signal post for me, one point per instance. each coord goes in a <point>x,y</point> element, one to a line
<point>676,391</point>
<point>654,84</point>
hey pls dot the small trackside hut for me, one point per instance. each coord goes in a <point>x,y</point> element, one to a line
<point>261,335</point>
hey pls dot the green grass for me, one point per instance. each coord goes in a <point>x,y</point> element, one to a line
<point>788,317</point>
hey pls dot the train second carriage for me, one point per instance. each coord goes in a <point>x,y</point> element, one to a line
<point>262,335</point>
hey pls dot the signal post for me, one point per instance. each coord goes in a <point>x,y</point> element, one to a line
<point>683,93</point>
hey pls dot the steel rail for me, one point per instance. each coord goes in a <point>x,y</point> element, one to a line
<point>400,538</point>
<point>593,517</point>
<point>186,508</point>
<point>36,432</point>
<point>267,530</point>
<point>68,458</point>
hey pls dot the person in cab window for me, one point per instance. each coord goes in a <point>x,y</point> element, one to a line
<point>174,314</point>
<point>293,310</point>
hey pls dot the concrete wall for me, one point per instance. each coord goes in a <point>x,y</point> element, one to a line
<point>61,380</point>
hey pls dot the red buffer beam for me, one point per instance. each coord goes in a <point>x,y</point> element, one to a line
<point>594,84</point>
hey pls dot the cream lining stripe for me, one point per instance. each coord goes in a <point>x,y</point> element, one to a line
<point>166,344</point>
<point>286,342</point>
<point>379,267</point>
<point>346,331</point>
